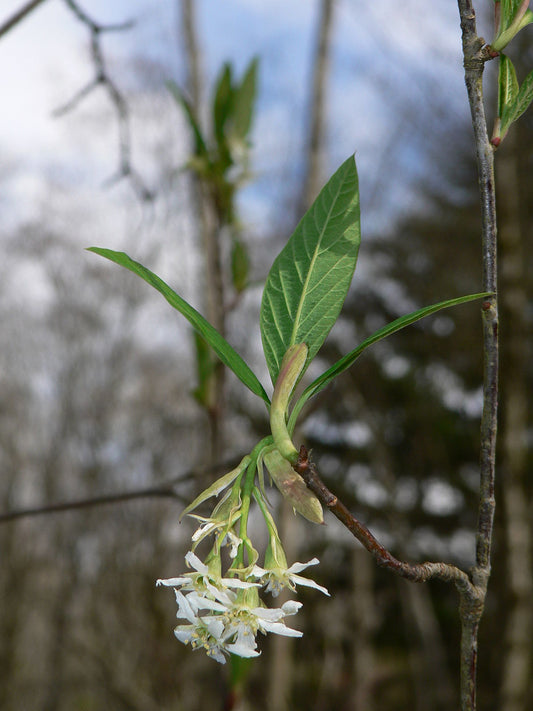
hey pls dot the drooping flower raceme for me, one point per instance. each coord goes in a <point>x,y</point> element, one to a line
<point>221,612</point>
<point>220,620</point>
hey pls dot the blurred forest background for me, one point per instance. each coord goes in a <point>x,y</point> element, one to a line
<point>104,390</point>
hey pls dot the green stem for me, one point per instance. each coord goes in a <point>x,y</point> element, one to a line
<point>247,490</point>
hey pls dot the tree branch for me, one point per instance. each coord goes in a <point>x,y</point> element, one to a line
<point>416,572</point>
<point>103,79</point>
<point>18,16</point>
<point>164,490</point>
<point>475,54</point>
<point>472,588</point>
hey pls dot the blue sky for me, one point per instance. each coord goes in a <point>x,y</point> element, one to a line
<point>386,55</point>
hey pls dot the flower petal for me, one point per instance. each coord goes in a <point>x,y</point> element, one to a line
<point>195,562</point>
<point>307,582</point>
<point>173,582</point>
<point>298,567</point>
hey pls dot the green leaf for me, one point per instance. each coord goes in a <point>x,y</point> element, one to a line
<point>525,96</point>
<point>508,9</point>
<point>526,20</point>
<point>309,279</point>
<point>507,84</point>
<point>200,147</point>
<point>523,99</point>
<point>514,16</point>
<point>219,344</point>
<point>244,100</point>
<point>222,102</point>
<point>348,360</point>
<point>513,111</point>
<point>217,486</point>
<point>240,266</point>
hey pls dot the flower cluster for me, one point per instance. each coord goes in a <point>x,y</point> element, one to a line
<point>223,614</point>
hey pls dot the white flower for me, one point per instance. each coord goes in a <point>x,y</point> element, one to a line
<point>276,578</point>
<point>203,580</point>
<point>244,644</point>
<point>201,633</point>
<point>243,622</point>
<point>228,623</point>
<point>231,539</point>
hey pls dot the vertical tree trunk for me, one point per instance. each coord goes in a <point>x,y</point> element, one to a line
<point>516,659</point>
<point>315,146</point>
<point>210,233</point>
<point>365,662</point>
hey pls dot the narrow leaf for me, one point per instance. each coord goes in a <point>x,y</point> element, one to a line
<point>507,84</point>
<point>200,148</point>
<point>514,16</point>
<point>523,99</point>
<point>219,344</point>
<point>244,100</point>
<point>240,266</point>
<point>222,102</point>
<point>526,20</point>
<point>348,360</point>
<point>309,279</point>
<point>217,486</point>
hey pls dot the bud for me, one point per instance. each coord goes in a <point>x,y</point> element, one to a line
<point>293,487</point>
<point>291,367</point>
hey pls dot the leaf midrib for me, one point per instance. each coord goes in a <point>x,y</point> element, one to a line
<point>311,265</point>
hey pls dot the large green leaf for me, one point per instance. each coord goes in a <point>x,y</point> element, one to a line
<point>348,360</point>
<point>219,344</point>
<point>309,279</point>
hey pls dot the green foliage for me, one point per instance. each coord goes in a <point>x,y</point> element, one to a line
<point>349,359</point>
<point>219,344</point>
<point>240,265</point>
<point>303,296</point>
<point>225,146</point>
<point>513,100</point>
<point>309,279</point>
<point>514,16</point>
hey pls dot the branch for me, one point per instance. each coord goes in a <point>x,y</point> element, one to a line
<point>91,501</point>
<point>416,572</point>
<point>164,490</point>
<point>475,55</point>
<point>103,79</point>
<point>18,16</point>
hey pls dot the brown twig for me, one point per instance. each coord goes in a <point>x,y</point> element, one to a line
<point>164,490</point>
<point>471,595</point>
<point>416,572</point>
<point>475,54</point>
<point>18,16</point>
<point>102,78</point>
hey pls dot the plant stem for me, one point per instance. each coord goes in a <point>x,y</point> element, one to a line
<point>475,55</point>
